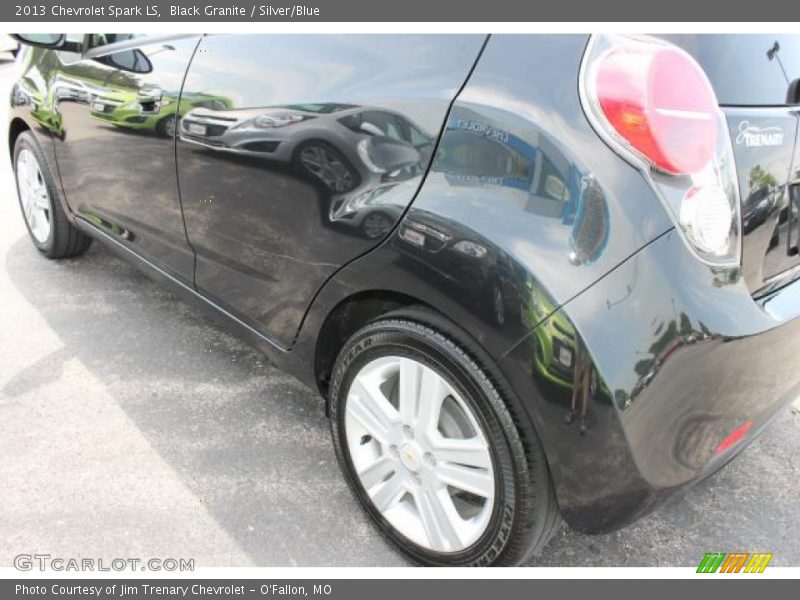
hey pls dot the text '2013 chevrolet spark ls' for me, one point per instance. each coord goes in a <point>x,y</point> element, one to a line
<point>532,275</point>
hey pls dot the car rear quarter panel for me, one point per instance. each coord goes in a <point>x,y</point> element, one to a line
<point>565,212</point>
<point>524,208</point>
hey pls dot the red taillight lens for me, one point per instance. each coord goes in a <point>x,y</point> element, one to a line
<point>660,101</point>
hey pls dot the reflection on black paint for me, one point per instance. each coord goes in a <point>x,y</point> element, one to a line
<point>316,158</point>
<point>545,183</point>
<point>793,217</point>
<point>486,280</point>
<point>563,369</point>
<point>113,123</point>
<point>668,337</point>
<point>373,212</point>
<point>113,229</point>
<point>590,224</point>
<point>149,109</point>
<point>763,147</point>
<point>352,151</point>
<point>475,152</point>
<point>762,196</point>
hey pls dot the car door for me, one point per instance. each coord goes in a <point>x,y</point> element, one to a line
<point>314,149</point>
<point>117,104</point>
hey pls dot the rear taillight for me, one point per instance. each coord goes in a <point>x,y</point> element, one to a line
<point>653,103</point>
<point>660,102</point>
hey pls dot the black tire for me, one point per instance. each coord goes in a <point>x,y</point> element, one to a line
<point>166,126</point>
<point>525,511</point>
<point>65,240</point>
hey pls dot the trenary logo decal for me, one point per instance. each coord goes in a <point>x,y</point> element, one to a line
<point>754,137</point>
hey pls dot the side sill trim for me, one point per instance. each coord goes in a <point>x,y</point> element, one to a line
<point>99,233</point>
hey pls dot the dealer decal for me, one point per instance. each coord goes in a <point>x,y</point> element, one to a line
<point>754,137</point>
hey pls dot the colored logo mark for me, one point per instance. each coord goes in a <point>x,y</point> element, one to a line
<point>734,562</point>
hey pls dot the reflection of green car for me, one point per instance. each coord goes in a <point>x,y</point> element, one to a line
<point>41,107</point>
<point>145,112</point>
<point>556,340</point>
<point>554,358</point>
<point>44,115</point>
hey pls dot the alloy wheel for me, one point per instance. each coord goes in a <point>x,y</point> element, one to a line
<point>327,167</point>
<point>420,453</point>
<point>33,195</point>
<point>376,225</point>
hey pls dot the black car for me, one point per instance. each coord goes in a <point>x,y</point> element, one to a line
<point>515,266</point>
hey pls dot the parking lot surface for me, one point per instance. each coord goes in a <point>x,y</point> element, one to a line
<point>130,426</point>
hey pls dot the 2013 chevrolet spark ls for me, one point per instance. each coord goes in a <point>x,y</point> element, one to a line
<point>532,275</point>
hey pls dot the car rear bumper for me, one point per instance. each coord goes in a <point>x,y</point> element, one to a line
<point>687,369</point>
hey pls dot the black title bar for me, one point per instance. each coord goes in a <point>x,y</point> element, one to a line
<point>396,11</point>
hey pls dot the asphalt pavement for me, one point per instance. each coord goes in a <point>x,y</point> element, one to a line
<point>131,426</point>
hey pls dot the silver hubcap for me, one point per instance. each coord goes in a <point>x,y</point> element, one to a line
<point>420,453</point>
<point>33,195</point>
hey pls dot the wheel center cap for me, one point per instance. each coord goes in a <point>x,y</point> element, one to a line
<point>411,456</point>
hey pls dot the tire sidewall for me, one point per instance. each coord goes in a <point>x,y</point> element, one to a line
<point>400,339</point>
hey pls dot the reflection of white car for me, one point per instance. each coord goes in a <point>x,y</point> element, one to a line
<point>374,211</point>
<point>8,44</point>
<point>343,145</point>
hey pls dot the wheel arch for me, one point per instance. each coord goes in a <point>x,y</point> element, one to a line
<point>15,128</point>
<point>357,309</point>
<point>345,318</point>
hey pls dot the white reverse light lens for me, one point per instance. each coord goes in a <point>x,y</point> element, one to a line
<point>706,217</point>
